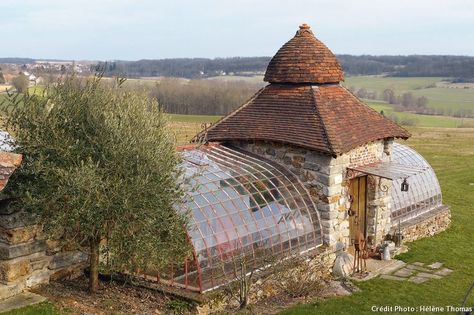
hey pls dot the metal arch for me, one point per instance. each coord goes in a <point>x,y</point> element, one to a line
<point>424,194</point>
<point>223,161</point>
<point>279,206</point>
<point>294,186</point>
<point>256,189</point>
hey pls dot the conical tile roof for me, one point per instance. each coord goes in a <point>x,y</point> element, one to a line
<point>304,59</point>
<point>315,113</point>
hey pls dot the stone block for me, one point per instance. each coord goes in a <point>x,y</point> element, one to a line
<point>404,272</point>
<point>428,275</point>
<point>270,151</point>
<point>331,190</point>
<point>332,199</point>
<point>11,289</point>
<point>343,266</point>
<point>417,267</point>
<point>39,264</point>
<point>11,270</point>
<point>328,215</point>
<point>329,239</point>
<point>344,225</point>
<point>17,219</point>
<point>312,166</point>
<point>21,234</point>
<point>323,179</point>
<point>436,265</point>
<point>38,277</point>
<point>444,272</point>
<point>65,259</point>
<point>316,158</point>
<point>335,179</point>
<point>12,251</point>
<point>327,224</point>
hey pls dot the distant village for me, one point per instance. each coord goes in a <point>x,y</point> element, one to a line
<point>40,71</point>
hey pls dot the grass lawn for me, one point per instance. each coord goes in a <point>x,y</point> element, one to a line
<point>451,153</point>
<point>45,308</point>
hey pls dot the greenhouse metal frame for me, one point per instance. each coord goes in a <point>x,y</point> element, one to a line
<point>245,211</point>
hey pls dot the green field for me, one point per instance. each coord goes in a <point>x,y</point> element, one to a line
<point>439,95</point>
<point>450,152</point>
<point>421,120</point>
<point>194,118</point>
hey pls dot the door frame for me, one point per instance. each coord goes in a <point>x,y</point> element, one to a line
<point>359,210</point>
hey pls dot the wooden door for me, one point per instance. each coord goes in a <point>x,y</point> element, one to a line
<point>357,212</point>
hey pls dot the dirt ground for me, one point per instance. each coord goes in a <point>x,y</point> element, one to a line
<point>72,297</point>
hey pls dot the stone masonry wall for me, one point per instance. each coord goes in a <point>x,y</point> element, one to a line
<point>27,258</point>
<point>325,178</point>
<point>425,225</point>
<point>268,283</point>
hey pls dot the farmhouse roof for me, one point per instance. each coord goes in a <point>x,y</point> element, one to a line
<point>304,105</point>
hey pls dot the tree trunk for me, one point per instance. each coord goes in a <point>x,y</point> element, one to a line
<point>94,265</point>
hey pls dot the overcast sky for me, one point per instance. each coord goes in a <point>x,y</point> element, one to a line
<point>153,29</point>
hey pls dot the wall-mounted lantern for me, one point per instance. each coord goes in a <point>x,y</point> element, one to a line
<point>405,185</point>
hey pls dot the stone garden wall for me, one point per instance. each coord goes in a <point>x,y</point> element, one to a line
<point>424,225</point>
<point>27,258</point>
<point>311,269</point>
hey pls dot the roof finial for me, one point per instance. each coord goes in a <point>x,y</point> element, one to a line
<point>304,26</point>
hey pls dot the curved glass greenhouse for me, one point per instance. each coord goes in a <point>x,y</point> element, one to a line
<point>243,208</point>
<point>424,194</point>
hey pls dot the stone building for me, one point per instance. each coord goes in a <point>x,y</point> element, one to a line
<point>303,167</point>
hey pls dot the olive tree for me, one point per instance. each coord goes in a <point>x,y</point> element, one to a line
<point>100,169</point>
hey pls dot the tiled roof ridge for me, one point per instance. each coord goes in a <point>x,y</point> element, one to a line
<point>203,133</point>
<point>325,130</point>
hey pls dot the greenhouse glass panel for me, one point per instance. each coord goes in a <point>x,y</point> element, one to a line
<point>242,206</point>
<point>424,193</point>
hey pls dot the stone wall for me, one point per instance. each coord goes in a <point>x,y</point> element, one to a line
<point>424,225</point>
<point>27,258</point>
<point>327,180</point>
<point>268,283</point>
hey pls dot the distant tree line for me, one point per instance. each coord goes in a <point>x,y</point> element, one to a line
<point>185,67</point>
<point>17,61</point>
<point>459,67</point>
<point>201,96</point>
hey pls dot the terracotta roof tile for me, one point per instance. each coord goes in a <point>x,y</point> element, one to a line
<point>304,59</point>
<point>326,118</point>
